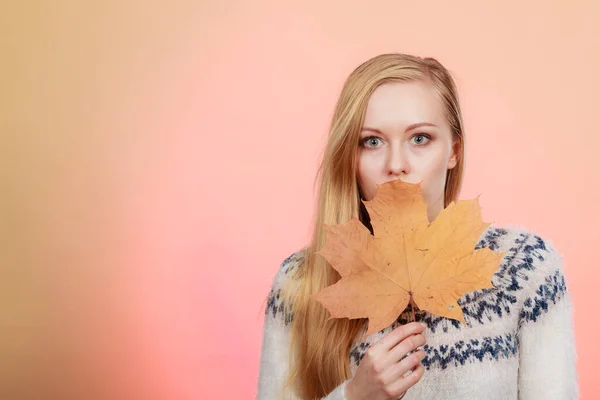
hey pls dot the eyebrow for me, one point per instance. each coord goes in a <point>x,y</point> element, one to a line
<point>410,127</point>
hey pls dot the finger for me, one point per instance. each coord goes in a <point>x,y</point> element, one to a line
<point>406,346</point>
<point>399,334</point>
<point>398,369</point>
<point>405,383</point>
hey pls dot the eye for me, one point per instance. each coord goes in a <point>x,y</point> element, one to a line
<point>421,139</point>
<point>371,142</point>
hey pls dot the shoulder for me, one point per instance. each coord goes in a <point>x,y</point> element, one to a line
<point>283,280</point>
<point>288,267</point>
<point>532,267</point>
<point>524,249</point>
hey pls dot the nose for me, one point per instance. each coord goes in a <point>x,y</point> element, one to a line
<point>397,164</point>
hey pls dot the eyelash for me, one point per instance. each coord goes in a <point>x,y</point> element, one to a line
<point>364,141</point>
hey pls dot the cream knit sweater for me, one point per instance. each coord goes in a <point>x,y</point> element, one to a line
<point>518,342</point>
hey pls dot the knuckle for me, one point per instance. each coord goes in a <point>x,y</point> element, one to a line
<point>415,358</point>
<point>370,353</point>
<point>376,368</point>
<point>401,330</point>
<point>389,392</point>
<point>418,373</point>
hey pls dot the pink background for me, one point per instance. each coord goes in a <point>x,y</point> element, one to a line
<point>159,163</point>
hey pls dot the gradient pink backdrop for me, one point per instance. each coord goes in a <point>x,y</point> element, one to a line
<point>160,162</point>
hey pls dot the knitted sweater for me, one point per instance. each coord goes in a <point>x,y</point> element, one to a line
<point>518,341</point>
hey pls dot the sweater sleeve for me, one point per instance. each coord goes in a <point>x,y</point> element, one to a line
<point>274,356</point>
<point>547,352</point>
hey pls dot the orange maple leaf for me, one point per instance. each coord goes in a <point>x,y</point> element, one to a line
<point>406,259</point>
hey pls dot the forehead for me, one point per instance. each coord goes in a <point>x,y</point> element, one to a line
<point>397,104</point>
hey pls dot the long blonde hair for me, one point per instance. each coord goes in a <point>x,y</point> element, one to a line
<point>319,356</point>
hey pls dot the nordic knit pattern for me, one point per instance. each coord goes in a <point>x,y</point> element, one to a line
<point>518,341</point>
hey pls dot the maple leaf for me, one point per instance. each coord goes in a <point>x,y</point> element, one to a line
<point>407,259</point>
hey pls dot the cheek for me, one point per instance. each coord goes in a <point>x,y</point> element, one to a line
<point>368,174</point>
<point>434,178</point>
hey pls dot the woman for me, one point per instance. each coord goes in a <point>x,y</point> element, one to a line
<point>398,117</point>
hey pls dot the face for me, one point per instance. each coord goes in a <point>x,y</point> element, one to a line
<point>405,136</point>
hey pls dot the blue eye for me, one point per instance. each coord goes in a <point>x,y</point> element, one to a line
<point>371,141</point>
<point>424,139</point>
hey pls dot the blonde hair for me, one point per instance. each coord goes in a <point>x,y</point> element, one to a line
<point>319,352</point>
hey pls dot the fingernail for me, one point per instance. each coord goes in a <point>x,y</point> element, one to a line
<point>424,325</point>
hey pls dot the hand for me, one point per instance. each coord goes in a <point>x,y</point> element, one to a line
<point>379,375</point>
